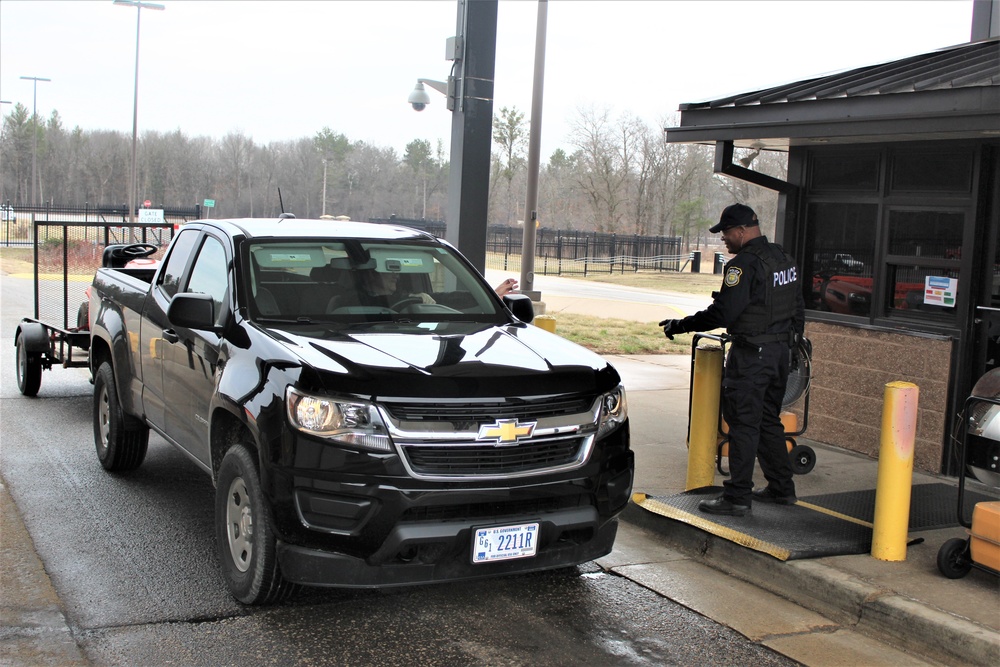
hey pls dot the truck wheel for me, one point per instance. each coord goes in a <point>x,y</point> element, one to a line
<point>119,446</point>
<point>28,368</point>
<point>245,532</point>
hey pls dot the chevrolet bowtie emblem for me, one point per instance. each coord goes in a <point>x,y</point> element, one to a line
<point>506,431</point>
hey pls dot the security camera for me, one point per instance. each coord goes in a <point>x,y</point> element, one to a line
<point>419,99</point>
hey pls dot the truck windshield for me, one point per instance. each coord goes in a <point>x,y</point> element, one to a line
<point>359,281</point>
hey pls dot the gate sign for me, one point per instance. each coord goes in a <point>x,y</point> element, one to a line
<point>150,216</point>
<point>209,203</point>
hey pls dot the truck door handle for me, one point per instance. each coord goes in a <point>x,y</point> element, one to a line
<point>170,336</point>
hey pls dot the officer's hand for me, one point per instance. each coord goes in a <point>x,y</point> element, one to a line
<point>671,327</point>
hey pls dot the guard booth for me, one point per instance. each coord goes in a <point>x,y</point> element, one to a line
<point>891,205</point>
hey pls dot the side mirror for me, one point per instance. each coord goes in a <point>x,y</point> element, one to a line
<point>520,305</point>
<point>192,310</point>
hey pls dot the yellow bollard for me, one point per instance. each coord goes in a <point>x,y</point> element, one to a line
<point>895,471</point>
<point>706,385</point>
<point>546,322</point>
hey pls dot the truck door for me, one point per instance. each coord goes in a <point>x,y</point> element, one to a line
<point>154,321</point>
<point>191,359</point>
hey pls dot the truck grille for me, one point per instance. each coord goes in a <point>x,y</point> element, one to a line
<point>492,460</point>
<point>483,412</point>
<point>444,440</point>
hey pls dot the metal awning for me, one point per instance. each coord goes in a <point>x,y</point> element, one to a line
<point>952,93</point>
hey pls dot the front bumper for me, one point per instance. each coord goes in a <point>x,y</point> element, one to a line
<point>370,529</point>
<point>438,552</point>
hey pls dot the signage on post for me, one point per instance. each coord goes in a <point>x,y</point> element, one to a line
<point>150,216</point>
<point>209,203</point>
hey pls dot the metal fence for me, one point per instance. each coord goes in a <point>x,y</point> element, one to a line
<point>60,248</point>
<point>17,222</point>
<point>569,252</point>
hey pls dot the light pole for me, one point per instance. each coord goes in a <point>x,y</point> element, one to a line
<point>470,97</point>
<point>34,133</point>
<point>132,186</point>
<point>324,187</point>
<point>527,285</point>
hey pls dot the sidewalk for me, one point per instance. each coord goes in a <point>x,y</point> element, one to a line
<point>909,603</point>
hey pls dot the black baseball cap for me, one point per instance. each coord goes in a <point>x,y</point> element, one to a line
<point>737,215</point>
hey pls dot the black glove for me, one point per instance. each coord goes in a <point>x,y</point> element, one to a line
<point>671,327</point>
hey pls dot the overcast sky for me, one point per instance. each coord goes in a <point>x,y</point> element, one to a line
<point>284,70</point>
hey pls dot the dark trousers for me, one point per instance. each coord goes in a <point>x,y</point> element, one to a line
<point>752,391</point>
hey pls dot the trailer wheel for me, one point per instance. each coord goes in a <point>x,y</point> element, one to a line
<point>119,446</point>
<point>28,368</point>
<point>953,558</point>
<point>803,459</point>
<point>244,532</point>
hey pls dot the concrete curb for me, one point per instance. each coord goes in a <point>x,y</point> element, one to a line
<point>33,627</point>
<point>877,612</point>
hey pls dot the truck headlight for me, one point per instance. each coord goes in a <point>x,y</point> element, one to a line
<point>614,411</point>
<point>353,423</point>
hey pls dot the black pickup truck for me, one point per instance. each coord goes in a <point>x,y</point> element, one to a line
<point>370,411</point>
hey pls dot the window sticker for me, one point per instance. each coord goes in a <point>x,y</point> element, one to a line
<point>940,291</point>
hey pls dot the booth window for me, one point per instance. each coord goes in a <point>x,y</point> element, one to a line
<point>924,171</point>
<point>884,230</point>
<point>839,259</point>
<point>857,172</point>
<point>923,262</point>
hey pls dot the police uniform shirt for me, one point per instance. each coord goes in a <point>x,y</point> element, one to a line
<point>742,284</point>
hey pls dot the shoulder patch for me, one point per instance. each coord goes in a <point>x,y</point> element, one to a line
<point>733,275</point>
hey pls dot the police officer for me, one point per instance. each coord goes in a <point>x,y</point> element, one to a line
<point>761,306</point>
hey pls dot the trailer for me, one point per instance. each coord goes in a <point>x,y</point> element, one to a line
<point>66,254</point>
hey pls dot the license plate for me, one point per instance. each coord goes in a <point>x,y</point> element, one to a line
<point>504,542</point>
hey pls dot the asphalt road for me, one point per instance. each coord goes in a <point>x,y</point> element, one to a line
<point>132,559</point>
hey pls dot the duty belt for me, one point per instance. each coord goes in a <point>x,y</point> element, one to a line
<point>787,337</point>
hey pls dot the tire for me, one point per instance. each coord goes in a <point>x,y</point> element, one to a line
<point>803,459</point>
<point>83,317</point>
<point>120,445</point>
<point>953,559</point>
<point>28,367</point>
<point>244,535</point>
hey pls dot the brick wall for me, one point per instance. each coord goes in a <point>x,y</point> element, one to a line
<point>850,370</point>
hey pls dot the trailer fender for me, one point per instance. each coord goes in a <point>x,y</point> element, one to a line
<point>36,338</point>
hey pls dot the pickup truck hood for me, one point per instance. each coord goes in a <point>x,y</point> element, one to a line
<point>465,360</point>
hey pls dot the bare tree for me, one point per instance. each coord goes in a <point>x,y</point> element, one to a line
<point>603,171</point>
<point>235,151</point>
<point>510,136</point>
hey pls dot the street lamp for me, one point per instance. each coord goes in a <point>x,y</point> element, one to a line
<point>34,132</point>
<point>324,187</point>
<point>470,100</point>
<point>132,186</point>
